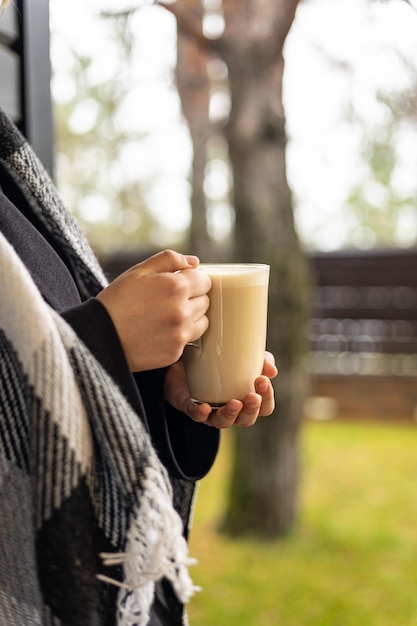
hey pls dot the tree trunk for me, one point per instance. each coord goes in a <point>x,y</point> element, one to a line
<point>264,488</point>
<point>194,90</point>
<point>265,476</point>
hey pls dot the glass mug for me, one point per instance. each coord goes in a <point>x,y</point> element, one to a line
<point>224,363</point>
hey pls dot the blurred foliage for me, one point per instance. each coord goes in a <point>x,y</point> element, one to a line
<point>381,208</point>
<point>96,170</point>
<point>95,151</point>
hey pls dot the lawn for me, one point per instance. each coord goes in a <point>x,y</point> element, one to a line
<point>352,560</point>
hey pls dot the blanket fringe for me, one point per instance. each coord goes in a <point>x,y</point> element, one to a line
<point>155,549</point>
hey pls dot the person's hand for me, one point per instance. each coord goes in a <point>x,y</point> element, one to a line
<point>260,403</point>
<point>157,307</point>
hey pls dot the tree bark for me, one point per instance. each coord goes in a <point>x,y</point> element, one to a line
<point>265,477</point>
<point>194,90</point>
<point>264,489</point>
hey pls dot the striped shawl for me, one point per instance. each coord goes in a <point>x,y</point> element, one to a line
<point>87,520</point>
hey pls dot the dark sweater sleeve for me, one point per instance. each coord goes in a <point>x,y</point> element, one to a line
<point>186,448</point>
<point>95,328</point>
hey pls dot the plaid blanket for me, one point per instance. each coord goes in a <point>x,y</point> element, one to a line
<point>88,519</point>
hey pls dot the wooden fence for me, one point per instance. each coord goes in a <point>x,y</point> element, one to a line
<point>364,332</point>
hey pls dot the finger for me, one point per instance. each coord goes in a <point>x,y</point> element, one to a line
<point>177,393</point>
<point>199,412</point>
<point>264,388</point>
<point>250,412</point>
<point>180,399</point>
<point>218,418</point>
<point>199,282</point>
<point>270,370</point>
<point>226,416</point>
<point>269,357</point>
<point>198,306</point>
<point>168,261</point>
<point>269,367</point>
<point>198,329</point>
<point>192,260</point>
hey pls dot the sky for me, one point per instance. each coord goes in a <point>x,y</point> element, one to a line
<point>322,156</point>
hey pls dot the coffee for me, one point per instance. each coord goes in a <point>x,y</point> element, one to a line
<point>229,356</point>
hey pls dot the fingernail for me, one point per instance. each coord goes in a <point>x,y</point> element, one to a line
<point>255,404</point>
<point>263,386</point>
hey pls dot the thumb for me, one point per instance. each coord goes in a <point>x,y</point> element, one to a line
<point>169,261</point>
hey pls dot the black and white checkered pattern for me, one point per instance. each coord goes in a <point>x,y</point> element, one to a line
<point>85,506</point>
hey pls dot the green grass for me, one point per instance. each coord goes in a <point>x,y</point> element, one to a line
<point>352,560</point>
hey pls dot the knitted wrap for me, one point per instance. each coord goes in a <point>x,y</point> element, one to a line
<point>86,507</point>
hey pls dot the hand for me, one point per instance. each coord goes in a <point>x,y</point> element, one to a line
<point>158,306</point>
<point>244,413</point>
